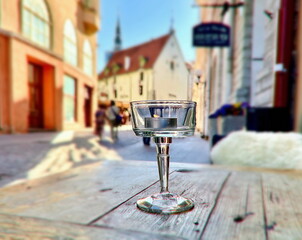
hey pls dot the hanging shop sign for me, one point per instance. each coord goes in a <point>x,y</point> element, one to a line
<point>211,35</point>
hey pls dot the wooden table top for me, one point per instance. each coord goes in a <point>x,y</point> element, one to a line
<point>97,201</point>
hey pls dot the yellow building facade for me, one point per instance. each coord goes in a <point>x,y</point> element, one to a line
<point>154,70</point>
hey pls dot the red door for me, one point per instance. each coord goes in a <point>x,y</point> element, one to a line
<point>87,106</point>
<point>35,74</point>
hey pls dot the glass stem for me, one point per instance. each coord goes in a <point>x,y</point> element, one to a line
<point>163,159</point>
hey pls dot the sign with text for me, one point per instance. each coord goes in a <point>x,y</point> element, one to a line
<point>211,35</point>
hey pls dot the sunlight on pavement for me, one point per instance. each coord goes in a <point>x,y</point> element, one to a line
<point>63,137</point>
<point>51,153</point>
<point>67,154</point>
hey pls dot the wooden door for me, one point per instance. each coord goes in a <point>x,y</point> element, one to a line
<point>35,75</point>
<point>87,106</point>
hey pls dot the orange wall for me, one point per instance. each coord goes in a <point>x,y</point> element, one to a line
<point>4,83</point>
<point>16,52</point>
<point>54,68</point>
<point>11,17</point>
<point>60,11</point>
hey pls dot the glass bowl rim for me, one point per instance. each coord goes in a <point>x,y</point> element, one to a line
<point>178,102</point>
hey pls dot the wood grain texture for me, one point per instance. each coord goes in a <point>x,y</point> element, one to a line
<point>238,213</point>
<point>80,195</point>
<point>283,209</point>
<point>202,186</point>
<point>24,228</point>
<point>98,201</point>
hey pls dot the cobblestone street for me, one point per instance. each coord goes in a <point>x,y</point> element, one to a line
<point>27,156</point>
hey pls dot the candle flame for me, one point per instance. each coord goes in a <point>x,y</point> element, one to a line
<point>155,115</point>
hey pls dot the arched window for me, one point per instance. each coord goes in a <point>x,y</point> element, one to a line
<point>87,58</point>
<point>36,22</point>
<point>70,44</point>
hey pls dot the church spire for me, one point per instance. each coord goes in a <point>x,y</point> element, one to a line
<point>118,39</point>
<point>172,23</point>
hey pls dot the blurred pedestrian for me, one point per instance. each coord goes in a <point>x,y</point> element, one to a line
<point>114,118</point>
<point>100,117</point>
<point>125,115</point>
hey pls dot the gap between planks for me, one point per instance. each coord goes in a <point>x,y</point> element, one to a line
<point>264,208</point>
<point>215,204</point>
<point>112,209</point>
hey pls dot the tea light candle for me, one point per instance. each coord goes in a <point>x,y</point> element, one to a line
<point>159,122</point>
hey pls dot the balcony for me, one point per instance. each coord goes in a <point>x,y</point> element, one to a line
<point>91,18</point>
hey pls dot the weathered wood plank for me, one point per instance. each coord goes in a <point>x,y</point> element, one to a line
<point>15,227</point>
<point>79,195</point>
<point>229,204</point>
<point>202,186</point>
<point>238,213</point>
<point>283,209</point>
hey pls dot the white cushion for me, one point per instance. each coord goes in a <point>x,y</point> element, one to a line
<point>262,149</point>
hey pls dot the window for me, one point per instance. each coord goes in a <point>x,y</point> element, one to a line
<point>172,65</point>
<point>115,93</point>
<point>87,58</point>
<point>70,44</point>
<point>140,86</point>
<point>35,22</point>
<point>69,98</point>
<point>114,88</point>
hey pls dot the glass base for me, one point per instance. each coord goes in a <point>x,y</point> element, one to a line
<point>163,133</point>
<point>165,203</point>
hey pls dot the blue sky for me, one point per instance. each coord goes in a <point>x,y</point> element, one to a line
<point>142,20</point>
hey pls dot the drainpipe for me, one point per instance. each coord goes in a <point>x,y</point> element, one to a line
<point>285,47</point>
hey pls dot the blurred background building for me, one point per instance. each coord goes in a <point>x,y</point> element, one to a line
<point>48,48</point>
<point>47,64</point>
<point>151,70</point>
<point>262,64</point>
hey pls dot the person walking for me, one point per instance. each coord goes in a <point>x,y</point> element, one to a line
<point>114,118</point>
<point>100,117</point>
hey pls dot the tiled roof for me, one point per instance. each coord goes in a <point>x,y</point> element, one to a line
<point>139,56</point>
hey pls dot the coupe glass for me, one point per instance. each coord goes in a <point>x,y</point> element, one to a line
<point>163,120</point>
